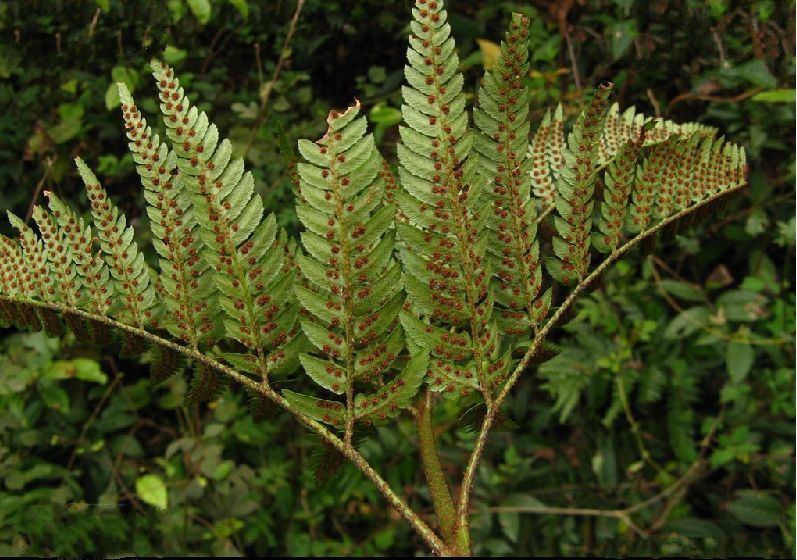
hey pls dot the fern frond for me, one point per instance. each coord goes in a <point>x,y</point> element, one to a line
<point>239,243</point>
<point>59,254</point>
<point>164,362</point>
<point>355,290</point>
<point>447,272</point>
<point>36,280</point>
<point>574,201</point>
<point>18,284</point>
<point>206,384</point>
<point>93,274</point>
<point>546,152</point>
<point>129,273</point>
<point>24,266</point>
<point>618,183</point>
<point>619,129</point>
<point>503,145</point>
<point>189,295</point>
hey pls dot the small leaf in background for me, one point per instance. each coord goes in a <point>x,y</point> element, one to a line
<point>786,233</point>
<point>510,520</point>
<point>490,53</point>
<point>222,470</point>
<point>743,306</point>
<point>70,86</point>
<point>682,290</point>
<point>384,115</point>
<point>687,322</point>
<point>739,358</point>
<point>775,96</point>
<point>621,35</point>
<point>119,74</point>
<point>79,368</point>
<point>126,75</point>
<point>694,528</point>
<point>242,6</point>
<point>720,277</point>
<point>377,74</point>
<point>104,5</point>
<point>200,9</point>
<point>510,524</point>
<point>151,489</point>
<point>757,222</point>
<point>55,397</point>
<point>548,50</point>
<point>756,508</point>
<point>71,120</point>
<point>173,55</point>
<point>176,9</point>
<point>754,72</point>
<point>111,97</point>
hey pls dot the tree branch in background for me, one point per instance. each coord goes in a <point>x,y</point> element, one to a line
<point>266,89</point>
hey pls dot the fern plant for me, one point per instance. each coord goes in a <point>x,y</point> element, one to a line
<point>442,282</point>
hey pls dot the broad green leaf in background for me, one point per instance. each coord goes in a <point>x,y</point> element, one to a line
<point>200,9</point>
<point>384,115</point>
<point>54,397</point>
<point>173,55</point>
<point>510,520</point>
<point>753,71</point>
<point>687,322</point>
<point>621,35</point>
<point>242,6</point>
<point>119,74</point>
<point>739,359</point>
<point>79,368</point>
<point>151,489</point>
<point>775,96</point>
<point>69,126</point>
<point>682,290</point>
<point>756,508</point>
<point>694,528</point>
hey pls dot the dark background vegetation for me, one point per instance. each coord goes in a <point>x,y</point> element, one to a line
<point>677,373</point>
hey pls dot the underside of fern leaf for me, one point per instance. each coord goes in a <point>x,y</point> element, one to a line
<point>354,292</point>
<point>447,270</point>
<point>503,145</point>
<point>250,284</point>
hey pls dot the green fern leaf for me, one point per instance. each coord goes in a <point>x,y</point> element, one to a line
<point>36,280</point>
<point>129,273</point>
<point>619,129</point>
<point>94,277</point>
<point>618,183</point>
<point>329,412</point>
<point>188,293</point>
<point>575,187</point>
<point>546,153</point>
<point>239,243</point>
<point>395,395</point>
<point>163,363</point>
<point>503,146</point>
<point>354,291</point>
<point>60,259</point>
<point>447,271</point>
<point>206,384</point>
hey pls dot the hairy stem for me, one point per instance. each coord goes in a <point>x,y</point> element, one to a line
<point>436,479</point>
<point>489,418</point>
<point>434,542</point>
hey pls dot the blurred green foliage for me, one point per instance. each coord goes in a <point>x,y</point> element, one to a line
<point>679,367</point>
